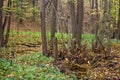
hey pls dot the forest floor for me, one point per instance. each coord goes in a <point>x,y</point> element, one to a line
<point>22,59</point>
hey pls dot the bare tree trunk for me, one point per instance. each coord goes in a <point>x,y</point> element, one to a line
<point>91,15</point>
<point>97,22</point>
<point>53,22</point>
<point>97,16</point>
<point>73,19</point>
<point>9,22</point>
<point>33,12</point>
<point>21,6</point>
<point>103,22</point>
<point>109,31</point>
<point>1,35</point>
<point>55,50</point>
<point>4,23</point>
<point>43,27</point>
<point>119,22</point>
<point>80,16</point>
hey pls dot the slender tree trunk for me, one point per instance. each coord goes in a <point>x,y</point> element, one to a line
<point>97,22</point>
<point>80,16</point>
<point>1,35</point>
<point>119,22</point>
<point>33,12</point>
<point>103,22</point>
<point>55,49</point>
<point>53,21</point>
<point>9,22</point>
<point>21,6</point>
<point>91,16</point>
<point>109,34</point>
<point>5,21</point>
<point>97,16</point>
<point>43,27</point>
<point>73,18</point>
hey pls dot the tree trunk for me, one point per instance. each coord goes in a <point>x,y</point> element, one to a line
<point>119,22</point>
<point>55,49</point>
<point>21,6</point>
<point>43,27</point>
<point>9,22</point>
<point>97,17</point>
<point>80,16</point>
<point>33,12</point>
<point>73,18</point>
<point>1,35</point>
<point>103,22</point>
<point>53,22</point>
<point>97,22</point>
<point>91,16</point>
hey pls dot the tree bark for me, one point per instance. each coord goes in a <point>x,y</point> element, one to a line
<point>119,22</point>
<point>97,22</point>
<point>1,35</point>
<point>91,15</point>
<point>21,6</point>
<point>103,22</point>
<point>55,50</point>
<point>80,16</point>
<point>9,23</point>
<point>53,21</point>
<point>33,12</point>
<point>43,27</point>
<point>73,19</point>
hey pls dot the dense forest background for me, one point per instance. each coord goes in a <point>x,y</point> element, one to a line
<point>60,39</point>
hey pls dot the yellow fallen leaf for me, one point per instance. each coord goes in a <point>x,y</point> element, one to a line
<point>11,74</point>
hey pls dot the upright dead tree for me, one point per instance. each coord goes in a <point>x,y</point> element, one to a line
<point>1,29</point>
<point>43,27</point>
<point>53,21</point>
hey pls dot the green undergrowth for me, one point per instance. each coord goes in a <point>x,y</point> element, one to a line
<point>35,37</point>
<point>34,59</point>
<point>31,67</point>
